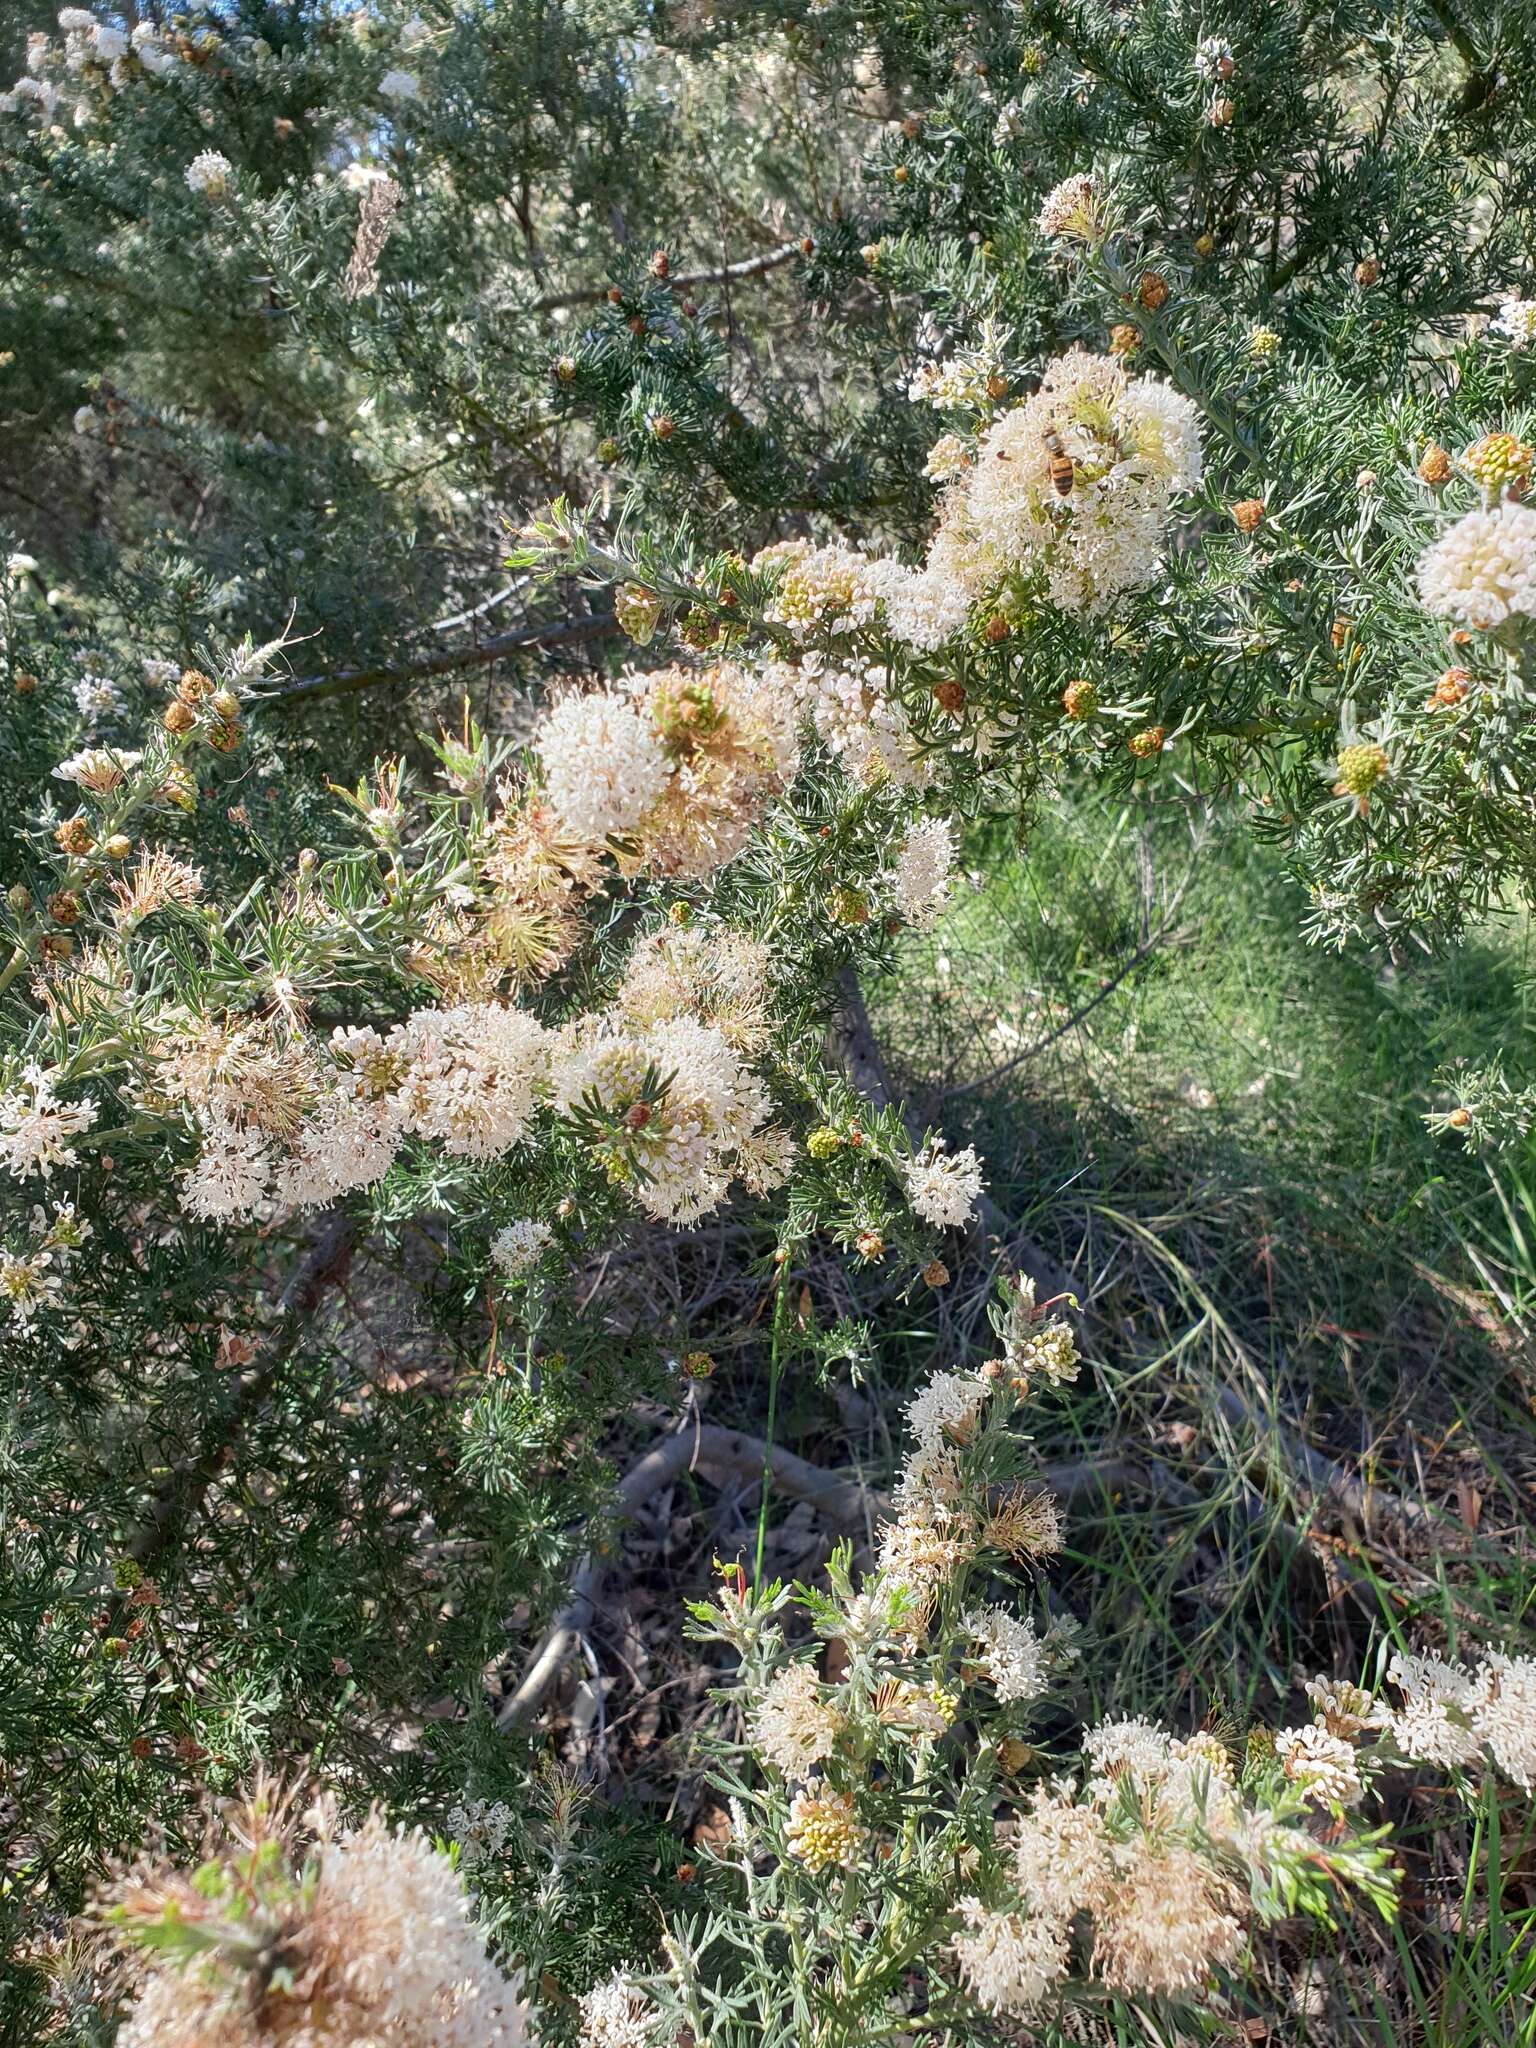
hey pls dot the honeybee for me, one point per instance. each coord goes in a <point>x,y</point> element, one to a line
<point>1062,473</point>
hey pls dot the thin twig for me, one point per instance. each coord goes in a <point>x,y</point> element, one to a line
<point>181,1493</point>
<point>1128,967</point>
<point>729,273</point>
<point>344,681</point>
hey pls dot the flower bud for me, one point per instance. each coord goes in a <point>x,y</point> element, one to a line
<point>73,836</point>
<point>1435,465</point>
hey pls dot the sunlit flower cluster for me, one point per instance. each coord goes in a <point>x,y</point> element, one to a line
<point>713,972</point>
<point>1516,321</point>
<point>37,1123</point>
<point>1481,572</point>
<point>95,58</point>
<point>855,712</point>
<point>924,863</point>
<point>617,2014</point>
<point>670,1111</point>
<point>373,1924</point>
<point>793,1728</point>
<point>1074,488</point>
<point>943,1187</point>
<point>672,767</point>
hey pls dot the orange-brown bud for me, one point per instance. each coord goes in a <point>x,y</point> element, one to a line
<point>1435,465</point>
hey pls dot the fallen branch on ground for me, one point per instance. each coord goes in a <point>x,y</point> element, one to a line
<point>723,1454</point>
<point>1368,1504</point>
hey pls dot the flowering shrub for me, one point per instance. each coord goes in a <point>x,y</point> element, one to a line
<point>488,667</point>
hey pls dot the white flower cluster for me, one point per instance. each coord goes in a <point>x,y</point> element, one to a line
<point>95,57</point>
<point>381,1944</point>
<point>713,972</point>
<point>1481,572</point>
<point>1516,321</point>
<point>674,765</point>
<point>36,1126</point>
<point>943,1411</point>
<point>1071,211</point>
<point>852,708</point>
<point>672,1112</point>
<point>209,174</point>
<point>924,864</point>
<point>1010,1960</point>
<point>617,2014</point>
<point>1451,1715</point>
<point>469,1074</point>
<point>604,766</point>
<point>943,1187</point>
<point>518,1247</point>
<point>97,697</point>
<point>1013,1657</point>
<point>285,1125</point>
<point>100,770</point>
<point>1072,491</point>
<point>1323,1764</point>
<point>819,589</point>
<point>793,1728</point>
<point>1074,488</point>
<point>481,1828</point>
